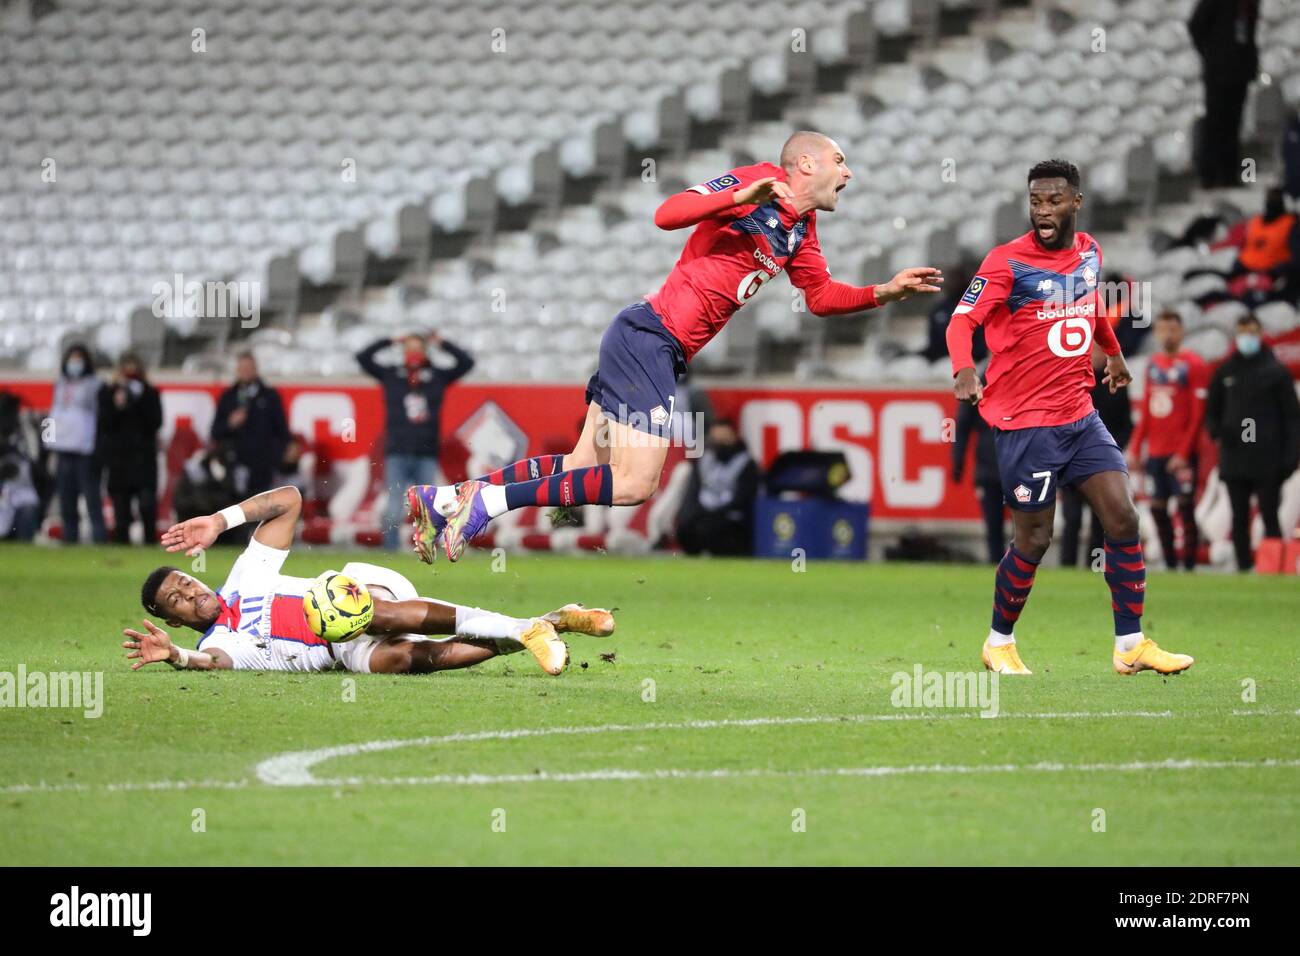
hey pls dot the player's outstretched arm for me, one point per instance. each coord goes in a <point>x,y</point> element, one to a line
<point>910,282</point>
<point>276,512</point>
<point>155,647</point>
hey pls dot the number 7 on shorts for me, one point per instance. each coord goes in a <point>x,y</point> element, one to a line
<point>1047,483</point>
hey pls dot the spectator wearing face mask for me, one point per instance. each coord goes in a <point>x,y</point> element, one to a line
<point>71,436</point>
<point>130,414</point>
<point>717,513</point>
<point>413,393</point>
<point>1252,413</point>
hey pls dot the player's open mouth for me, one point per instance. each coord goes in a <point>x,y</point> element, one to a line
<point>1046,230</point>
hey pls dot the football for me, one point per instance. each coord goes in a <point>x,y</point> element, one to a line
<point>338,608</point>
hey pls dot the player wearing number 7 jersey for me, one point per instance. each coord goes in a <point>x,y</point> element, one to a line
<point>748,225</point>
<point>1037,298</point>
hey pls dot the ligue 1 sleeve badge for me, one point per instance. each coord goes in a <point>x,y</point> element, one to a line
<point>1090,277</point>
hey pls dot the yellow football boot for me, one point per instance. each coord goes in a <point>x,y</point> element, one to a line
<point>1004,659</point>
<point>1148,657</point>
<point>595,621</point>
<point>543,643</point>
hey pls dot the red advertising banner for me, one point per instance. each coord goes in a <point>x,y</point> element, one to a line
<point>897,442</point>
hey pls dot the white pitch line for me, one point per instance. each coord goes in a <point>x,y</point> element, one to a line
<point>293,769</point>
<point>44,787</point>
<point>727,773</point>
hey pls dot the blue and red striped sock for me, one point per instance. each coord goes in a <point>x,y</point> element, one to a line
<point>1126,574</point>
<point>1011,586</point>
<point>581,486</point>
<point>528,469</point>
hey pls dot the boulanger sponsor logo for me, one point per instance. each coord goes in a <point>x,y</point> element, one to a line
<point>767,261</point>
<point>75,690</point>
<point>1067,312</point>
<point>75,908</point>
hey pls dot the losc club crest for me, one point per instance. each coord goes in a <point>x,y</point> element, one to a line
<point>492,437</point>
<point>1022,493</point>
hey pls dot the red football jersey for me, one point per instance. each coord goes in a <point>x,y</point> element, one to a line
<point>1039,310</point>
<point>734,251</point>
<point>1173,406</point>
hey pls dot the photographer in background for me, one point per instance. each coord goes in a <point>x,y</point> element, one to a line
<point>250,421</point>
<point>71,436</point>
<point>413,394</point>
<point>130,415</point>
<point>20,505</point>
<point>717,513</point>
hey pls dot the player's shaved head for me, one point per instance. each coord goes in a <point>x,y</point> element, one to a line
<point>815,170</point>
<point>803,143</point>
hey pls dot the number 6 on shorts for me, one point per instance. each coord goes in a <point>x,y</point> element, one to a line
<point>1047,482</point>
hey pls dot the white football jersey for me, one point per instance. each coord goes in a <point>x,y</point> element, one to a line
<point>263,626</point>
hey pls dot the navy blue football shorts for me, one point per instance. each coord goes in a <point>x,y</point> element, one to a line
<point>1034,462</point>
<point>636,380</point>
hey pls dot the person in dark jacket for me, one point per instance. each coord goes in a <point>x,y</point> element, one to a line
<point>1223,32</point>
<point>1253,415</point>
<point>1116,413</point>
<point>988,481</point>
<point>250,422</point>
<point>130,414</point>
<point>1291,156</point>
<point>717,514</point>
<point>413,394</point>
<point>71,435</point>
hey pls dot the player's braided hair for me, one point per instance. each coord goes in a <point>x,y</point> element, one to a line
<point>149,590</point>
<point>1056,169</point>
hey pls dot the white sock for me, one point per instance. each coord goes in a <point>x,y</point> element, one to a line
<point>997,639</point>
<point>443,498</point>
<point>503,631</point>
<point>1126,642</point>
<point>494,499</point>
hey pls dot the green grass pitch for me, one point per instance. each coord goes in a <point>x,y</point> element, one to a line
<point>714,770</point>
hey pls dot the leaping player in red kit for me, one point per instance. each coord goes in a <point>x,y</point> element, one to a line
<point>749,225</point>
<point>1037,299</point>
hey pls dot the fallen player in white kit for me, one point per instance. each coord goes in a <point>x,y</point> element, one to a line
<point>256,620</point>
